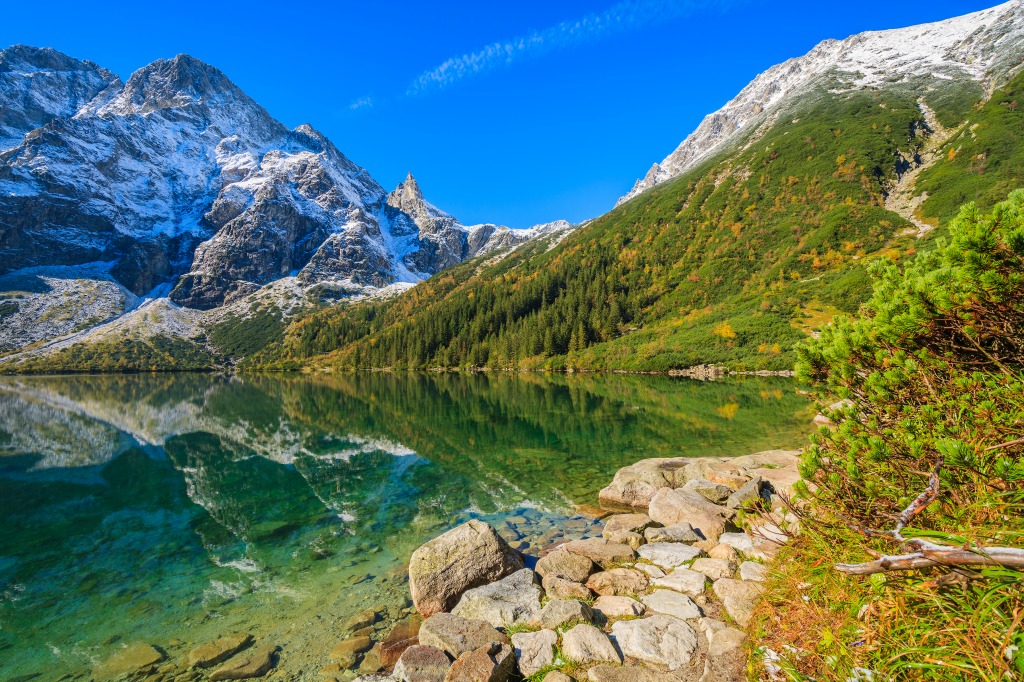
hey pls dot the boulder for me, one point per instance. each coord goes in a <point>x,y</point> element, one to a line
<point>714,568</point>
<point>255,662</point>
<point>534,650</point>
<point>137,657</point>
<point>465,557</point>
<point>635,485</point>
<point>669,507</point>
<point>738,597</point>
<point>403,635</point>
<point>778,467</point>
<point>661,641</point>
<point>560,588</point>
<point>371,660</point>
<point>726,660</point>
<point>601,552</point>
<point>671,603</point>
<point>680,532</point>
<point>751,570</point>
<point>627,673</point>
<point>683,580</point>
<point>749,493</point>
<point>713,492</point>
<point>618,582</point>
<point>625,537</point>
<point>668,555</point>
<point>626,523</point>
<point>741,542</point>
<point>727,552</point>
<point>422,664</point>
<point>457,636</point>
<point>493,662</point>
<point>208,655</point>
<point>720,471</point>
<point>563,564</point>
<point>619,607</point>
<point>364,618</point>
<point>561,612</point>
<point>509,601</point>
<point>585,644</point>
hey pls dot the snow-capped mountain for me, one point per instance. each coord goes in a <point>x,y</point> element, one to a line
<point>984,47</point>
<point>177,180</point>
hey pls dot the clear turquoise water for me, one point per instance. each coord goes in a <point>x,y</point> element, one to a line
<point>174,509</point>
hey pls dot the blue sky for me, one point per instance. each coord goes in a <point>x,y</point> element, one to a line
<point>508,112</point>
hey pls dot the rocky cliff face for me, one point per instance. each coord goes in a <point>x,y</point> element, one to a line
<point>177,179</point>
<point>983,48</point>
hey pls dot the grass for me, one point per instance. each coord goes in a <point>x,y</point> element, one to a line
<point>825,625</point>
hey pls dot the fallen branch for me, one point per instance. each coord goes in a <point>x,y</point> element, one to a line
<point>928,554</point>
<point>939,555</point>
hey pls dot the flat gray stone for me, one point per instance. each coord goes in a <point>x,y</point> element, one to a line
<point>683,580</point>
<point>509,601</point>
<point>714,568</point>
<point>661,641</point>
<point>726,659</point>
<point>668,555</point>
<point>738,597</point>
<point>672,604</point>
<point>456,636</point>
<point>627,673</point>
<point>585,644</point>
<point>680,532</point>
<point>670,507</point>
<point>561,612</point>
<point>751,570</point>
<point>651,570</point>
<point>534,650</point>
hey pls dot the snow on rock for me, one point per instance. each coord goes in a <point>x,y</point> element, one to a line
<point>984,47</point>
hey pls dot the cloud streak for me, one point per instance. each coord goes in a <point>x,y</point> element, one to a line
<point>623,16</point>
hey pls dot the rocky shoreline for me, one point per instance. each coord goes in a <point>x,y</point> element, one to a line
<point>663,596</point>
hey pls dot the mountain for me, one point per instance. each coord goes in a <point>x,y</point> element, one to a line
<point>853,157</point>
<point>970,52</point>
<point>175,183</point>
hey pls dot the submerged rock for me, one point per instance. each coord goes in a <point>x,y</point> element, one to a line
<point>211,654</point>
<point>255,662</point>
<point>136,657</point>
<point>465,557</point>
<point>403,635</point>
<point>509,601</point>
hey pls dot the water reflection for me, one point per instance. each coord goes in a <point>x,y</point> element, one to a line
<point>172,508</point>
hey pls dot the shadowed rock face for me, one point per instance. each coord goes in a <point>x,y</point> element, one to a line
<point>178,177</point>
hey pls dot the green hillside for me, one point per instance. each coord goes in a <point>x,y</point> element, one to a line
<point>732,263</point>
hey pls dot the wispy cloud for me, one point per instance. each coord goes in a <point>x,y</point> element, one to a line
<point>361,103</point>
<point>623,16</point>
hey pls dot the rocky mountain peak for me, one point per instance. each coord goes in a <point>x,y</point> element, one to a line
<point>26,57</point>
<point>408,198</point>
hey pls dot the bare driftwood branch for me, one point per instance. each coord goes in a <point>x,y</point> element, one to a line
<point>928,554</point>
<point>939,555</point>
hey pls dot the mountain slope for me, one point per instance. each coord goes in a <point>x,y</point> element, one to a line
<point>968,53</point>
<point>732,262</point>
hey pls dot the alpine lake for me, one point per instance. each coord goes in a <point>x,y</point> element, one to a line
<point>175,509</point>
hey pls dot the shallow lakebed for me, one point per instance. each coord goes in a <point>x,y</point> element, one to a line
<point>172,509</point>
